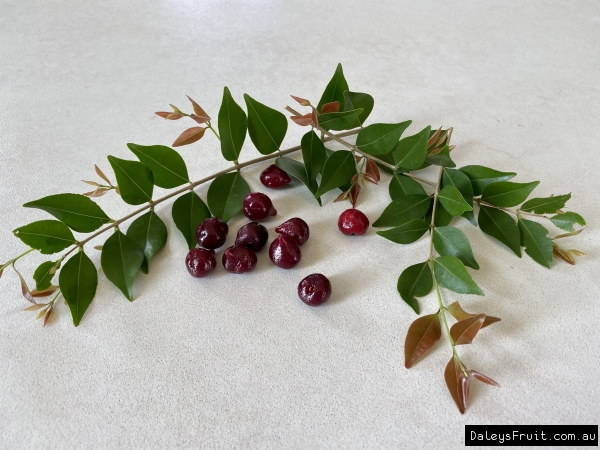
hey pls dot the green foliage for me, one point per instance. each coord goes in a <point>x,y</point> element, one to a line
<point>121,261</point>
<point>403,209</point>
<point>314,156</point>
<point>149,232</point>
<point>380,138</point>
<point>456,178</point>
<point>453,201</point>
<point>134,179</point>
<point>403,185</point>
<point>339,169</point>
<point>77,211</point>
<point>442,158</point>
<point>415,281</point>
<point>565,221</point>
<point>450,241</point>
<point>411,151</point>
<point>78,280</point>
<point>536,242</point>
<point>548,205</point>
<point>482,176</point>
<point>501,226</point>
<point>232,127</point>
<point>450,272</point>
<point>167,166</point>
<point>44,274</point>
<point>47,236</point>
<point>506,193</point>
<point>406,233</point>
<point>226,195</point>
<point>342,120</point>
<point>334,92</point>
<point>188,212</point>
<point>266,126</point>
<point>298,170</point>
<point>358,100</point>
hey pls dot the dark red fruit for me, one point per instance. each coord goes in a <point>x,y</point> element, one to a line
<point>212,233</point>
<point>239,259</point>
<point>353,221</point>
<point>200,262</point>
<point>295,228</point>
<point>314,290</point>
<point>253,236</point>
<point>273,177</point>
<point>284,252</point>
<point>257,206</point>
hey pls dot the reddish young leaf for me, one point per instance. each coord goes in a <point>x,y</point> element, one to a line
<point>572,233</point>
<point>372,171</point>
<point>433,139</point>
<point>199,119</point>
<point>45,293</point>
<point>41,313</point>
<point>47,315</point>
<point>162,114</point>
<point>464,331</point>
<point>456,385</point>
<point>197,109</point>
<point>24,289</point>
<point>304,120</point>
<point>101,174</point>
<point>315,118</point>
<point>35,307</point>
<point>422,334</point>
<point>563,254</point>
<point>98,247</point>
<point>91,183</point>
<point>189,136</point>
<point>97,193</point>
<point>300,100</point>
<point>483,378</point>
<point>353,195</point>
<point>342,196</point>
<point>460,314</point>
<point>331,107</point>
<point>354,178</point>
<point>175,108</point>
<point>169,115</point>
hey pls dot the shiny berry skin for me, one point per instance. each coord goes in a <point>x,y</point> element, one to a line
<point>314,290</point>
<point>296,228</point>
<point>273,177</point>
<point>200,262</point>
<point>258,206</point>
<point>239,259</point>
<point>284,252</point>
<point>212,233</point>
<point>253,236</point>
<point>353,221</point>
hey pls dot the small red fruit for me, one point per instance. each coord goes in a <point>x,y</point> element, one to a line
<point>239,259</point>
<point>200,262</point>
<point>253,236</point>
<point>273,177</point>
<point>295,228</point>
<point>315,289</point>
<point>212,233</point>
<point>258,206</point>
<point>284,252</point>
<point>353,221</point>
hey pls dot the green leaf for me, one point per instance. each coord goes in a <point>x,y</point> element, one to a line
<point>403,185</point>
<point>403,209</point>
<point>314,155</point>
<point>335,89</point>
<point>454,177</point>
<point>536,242</point>
<point>406,233</point>
<point>453,201</point>
<point>501,226</point>
<point>441,158</point>
<point>481,176</point>
<point>167,166</point>
<point>232,127</point>
<point>339,168</point>
<point>77,211</point>
<point>341,120</point>
<point>134,179</point>
<point>415,281</point>
<point>442,217</point>
<point>380,138</point>
<point>226,195</point>
<point>450,241</point>
<point>506,193</point>
<point>266,126</point>
<point>78,280</point>
<point>44,273</point>
<point>188,213</point>
<point>547,205</point>
<point>356,100</point>
<point>411,151</point>
<point>565,221</point>
<point>297,170</point>
<point>121,261</point>
<point>150,234</point>
<point>451,273</point>
<point>47,236</point>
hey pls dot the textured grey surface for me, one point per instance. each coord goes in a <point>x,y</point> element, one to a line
<point>238,361</point>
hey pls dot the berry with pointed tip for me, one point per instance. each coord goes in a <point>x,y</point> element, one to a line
<point>273,177</point>
<point>212,233</point>
<point>258,206</point>
<point>296,228</point>
<point>315,289</point>
<point>284,252</point>
<point>253,236</point>
<point>353,221</point>
<point>200,262</point>
<point>238,259</point>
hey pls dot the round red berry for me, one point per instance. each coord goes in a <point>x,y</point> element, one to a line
<point>353,221</point>
<point>258,206</point>
<point>273,177</point>
<point>296,228</point>
<point>284,252</point>
<point>239,259</point>
<point>315,289</point>
<point>253,236</point>
<point>212,233</point>
<point>200,262</point>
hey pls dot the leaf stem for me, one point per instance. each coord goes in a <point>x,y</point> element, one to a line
<point>214,131</point>
<point>432,226</point>
<point>517,212</point>
<point>191,186</point>
<point>16,258</point>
